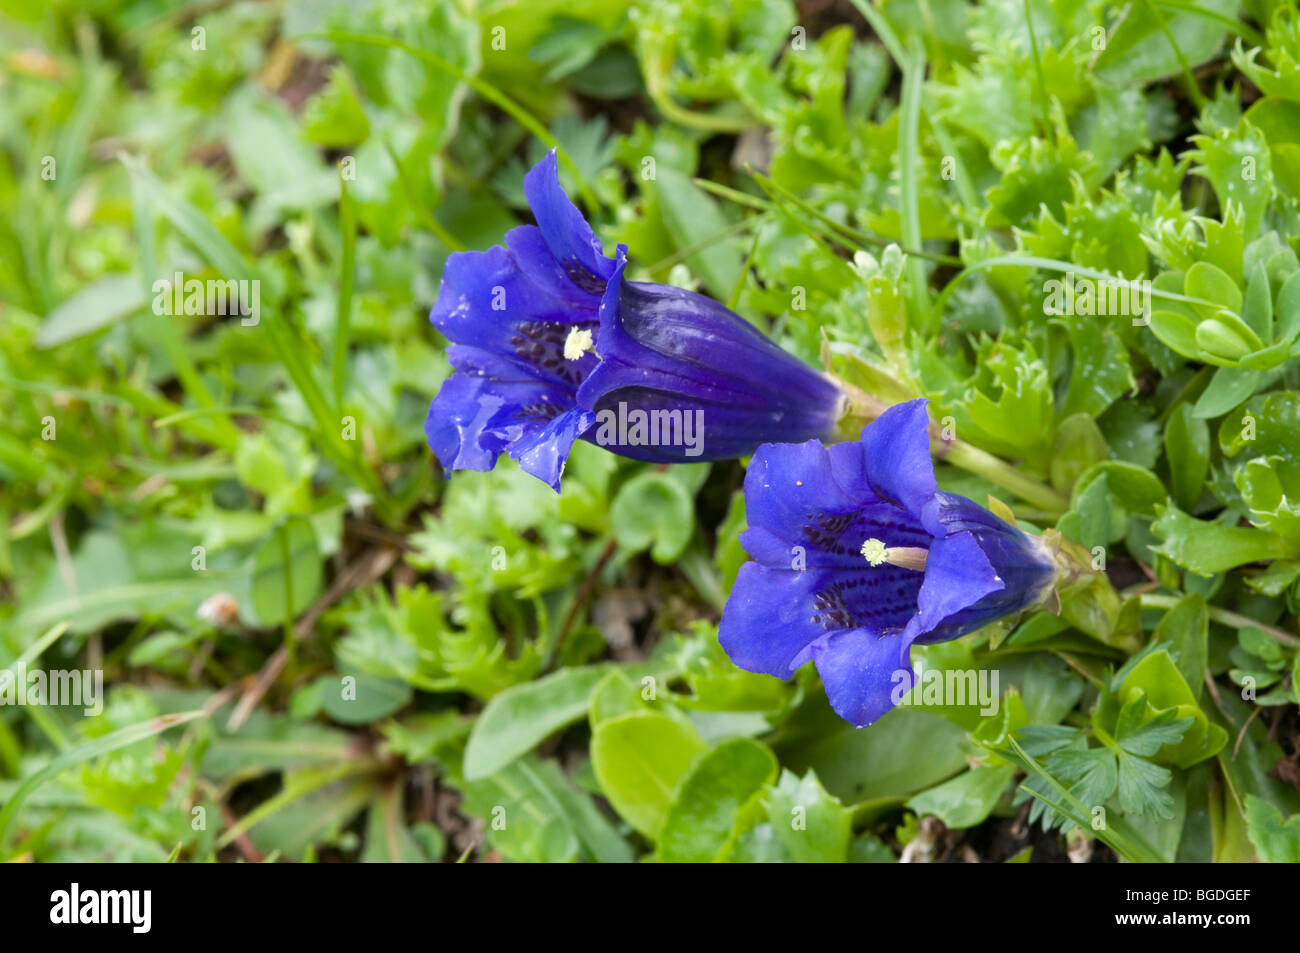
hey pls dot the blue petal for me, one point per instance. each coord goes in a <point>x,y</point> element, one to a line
<point>793,497</point>
<point>767,623</point>
<point>897,446</point>
<point>864,672</point>
<point>487,303</point>
<point>660,336</point>
<point>465,312</point>
<point>473,419</point>
<point>774,615</point>
<point>957,576</point>
<point>544,451</point>
<point>570,239</point>
<point>1019,559</point>
<point>719,431</point>
<point>456,421</point>
<point>665,348</point>
<point>849,469</point>
<point>550,278</point>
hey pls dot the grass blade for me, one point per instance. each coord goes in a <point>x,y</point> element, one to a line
<point>93,749</point>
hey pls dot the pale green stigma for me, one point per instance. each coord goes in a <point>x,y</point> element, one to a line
<point>876,553</point>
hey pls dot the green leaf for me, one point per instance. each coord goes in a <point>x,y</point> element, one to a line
<point>356,698</point>
<point>1277,840</point>
<point>533,813</point>
<point>1092,773</point>
<point>1158,704</point>
<point>700,820</point>
<point>1177,331</point>
<point>1140,787</point>
<point>1100,371</point>
<point>718,685</point>
<point>1228,388</point>
<point>334,116</point>
<point>1135,488</point>
<point>857,764</point>
<point>1186,626</point>
<point>1187,448</point>
<point>516,720</point>
<point>1142,50</point>
<point>313,808</point>
<point>690,215</point>
<point>1207,548</point>
<point>595,832</point>
<point>108,587</point>
<point>639,759</point>
<point>967,799</point>
<point>388,839</point>
<point>813,826</point>
<point>1257,642</point>
<point>567,47</point>
<point>615,694</point>
<point>1214,287</point>
<point>287,575</point>
<point>1141,734</point>
<point>1078,446</point>
<point>653,511</point>
<point>1222,155</point>
<point>1257,306</point>
<point>1288,306</point>
<point>1277,578</point>
<point>1220,338</point>
<point>269,154</point>
<point>95,306</point>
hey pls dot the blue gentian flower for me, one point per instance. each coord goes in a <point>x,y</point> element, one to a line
<point>551,343</point>
<point>858,555</point>
<point>668,354</point>
<point>510,311</point>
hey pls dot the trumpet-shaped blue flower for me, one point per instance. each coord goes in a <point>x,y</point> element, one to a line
<point>858,555</point>
<point>510,312</point>
<point>550,343</point>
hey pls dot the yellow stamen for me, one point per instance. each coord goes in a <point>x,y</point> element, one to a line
<point>876,553</point>
<point>578,343</point>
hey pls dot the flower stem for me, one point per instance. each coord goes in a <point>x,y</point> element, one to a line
<point>996,470</point>
<point>1224,617</point>
<point>966,456</point>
